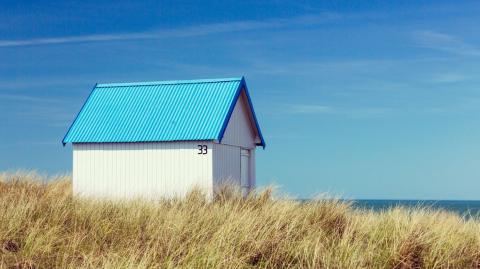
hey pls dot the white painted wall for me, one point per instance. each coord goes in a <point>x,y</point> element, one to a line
<point>147,170</point>
<point>240,129</point>
<point>226,164</point>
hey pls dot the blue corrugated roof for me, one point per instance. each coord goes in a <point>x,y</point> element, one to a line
<point>182,110</point>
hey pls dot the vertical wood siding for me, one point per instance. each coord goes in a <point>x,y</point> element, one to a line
<point>238,134</point>
<point>147,170</point>
<point>253,180</point>
<point>226,164</point>
<point>240,130</point>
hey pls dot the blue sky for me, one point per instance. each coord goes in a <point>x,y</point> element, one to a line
<point>363,99</point>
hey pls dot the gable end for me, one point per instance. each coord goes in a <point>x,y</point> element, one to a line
<point>242,91</point>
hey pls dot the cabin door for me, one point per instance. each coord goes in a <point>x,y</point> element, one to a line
<point>245,171</point>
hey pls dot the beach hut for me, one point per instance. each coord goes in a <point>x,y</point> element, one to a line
<point>161,139</point>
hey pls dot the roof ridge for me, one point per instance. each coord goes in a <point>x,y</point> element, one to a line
<point>167,82</point>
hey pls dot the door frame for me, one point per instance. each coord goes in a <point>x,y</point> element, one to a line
<point>245,152</point>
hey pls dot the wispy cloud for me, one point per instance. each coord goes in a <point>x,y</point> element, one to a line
<point>449,78</point>
<point>445,42</point>
<point>72,39</point>
<point>46,111</point>
<point>312,67</point>
<point>28,98</point>
<point>317,110</point>
<point>198,30</point>
<point>308,109</point>
<point>467,104</point>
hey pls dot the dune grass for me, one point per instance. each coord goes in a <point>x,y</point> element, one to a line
<point>42,226</point>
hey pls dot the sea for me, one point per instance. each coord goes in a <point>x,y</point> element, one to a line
<point>464,208</point>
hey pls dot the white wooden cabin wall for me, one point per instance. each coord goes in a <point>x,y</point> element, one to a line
<point>239,131</point>
<point>226,164</point>
<point>147,170</point>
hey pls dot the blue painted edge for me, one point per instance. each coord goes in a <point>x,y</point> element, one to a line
<point>167,82</point>
<point>78,114</point>
<point>241,86</point>
<point>262,141</point>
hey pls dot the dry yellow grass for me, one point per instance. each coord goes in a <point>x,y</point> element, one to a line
<point>42,226</point>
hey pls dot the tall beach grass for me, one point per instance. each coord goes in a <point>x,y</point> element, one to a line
<point>43,226</point>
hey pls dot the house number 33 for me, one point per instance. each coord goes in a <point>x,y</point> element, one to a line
<point>202,149</point>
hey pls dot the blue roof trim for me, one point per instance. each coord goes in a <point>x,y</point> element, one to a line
<point>241,86</point>
<point>167,82</point>
<point>262,141</point>
<point>78,113</point>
